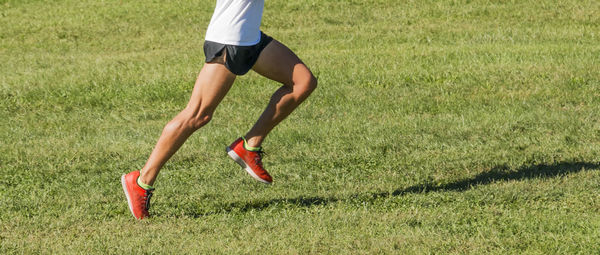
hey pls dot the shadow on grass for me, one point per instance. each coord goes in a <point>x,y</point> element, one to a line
<point>496,174</point>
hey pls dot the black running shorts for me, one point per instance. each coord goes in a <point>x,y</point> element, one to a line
<point>238,59</point>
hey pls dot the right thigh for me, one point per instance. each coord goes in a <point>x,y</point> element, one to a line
<point>277,62</point>
<point>212,84</point>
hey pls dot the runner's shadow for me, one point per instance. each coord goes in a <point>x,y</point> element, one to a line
<point>496,174</point>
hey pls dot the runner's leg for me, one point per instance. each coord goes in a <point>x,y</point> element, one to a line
<point>213,83</point>
<point>277,62</point>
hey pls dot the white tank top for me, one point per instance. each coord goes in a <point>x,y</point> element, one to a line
<point>236,22</point>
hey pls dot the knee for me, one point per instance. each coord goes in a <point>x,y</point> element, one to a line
<point>309,85</point>
<point>188,122</point>
<point>312,83</point>
<point>199,121</point>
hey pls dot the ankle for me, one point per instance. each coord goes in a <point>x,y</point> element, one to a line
<point>144,180</point>
<point>251,144</point>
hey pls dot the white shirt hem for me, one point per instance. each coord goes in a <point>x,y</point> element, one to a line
<point>235,43</point>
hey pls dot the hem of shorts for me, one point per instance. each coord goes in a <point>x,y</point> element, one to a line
<point>234,43</point>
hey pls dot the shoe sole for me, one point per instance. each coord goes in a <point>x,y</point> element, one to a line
<point>243,164</point>
<point>127,195</point>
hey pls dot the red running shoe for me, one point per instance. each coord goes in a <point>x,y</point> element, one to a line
<point>137,197</point>
<point>249,160</point>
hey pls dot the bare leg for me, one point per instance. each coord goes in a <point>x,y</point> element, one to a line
<point>213,83</point>
<point>277,62</point>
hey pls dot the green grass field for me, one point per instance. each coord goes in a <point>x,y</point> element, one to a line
<point>439,127</point>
